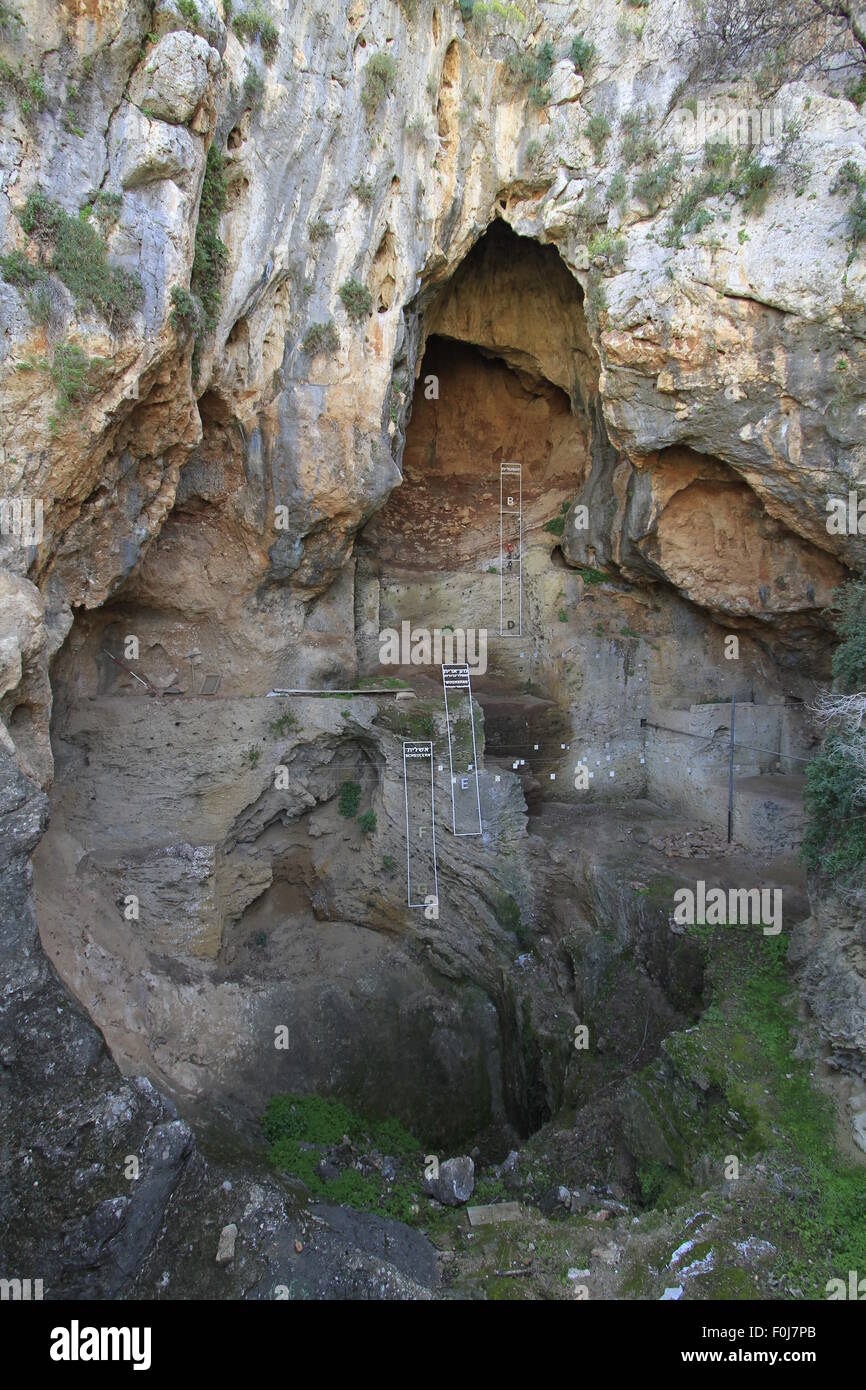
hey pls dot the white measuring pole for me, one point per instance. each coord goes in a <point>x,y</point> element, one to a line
<point>415,750</point>
<point>511,481</point>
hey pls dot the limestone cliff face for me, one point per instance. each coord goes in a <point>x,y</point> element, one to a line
<point>272,234</point>
<point>742,344</point>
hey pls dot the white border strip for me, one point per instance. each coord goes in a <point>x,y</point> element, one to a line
<point>415,743</point>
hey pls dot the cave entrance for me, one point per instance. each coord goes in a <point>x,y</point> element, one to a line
<point>506,374</point>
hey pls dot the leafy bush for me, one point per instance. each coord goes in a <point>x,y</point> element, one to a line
<point>188,11</point>
<point>349,800</point>
<point>70,372</point>
<point>363,190</point>
<point>835,838</point>
<point>356,298</point>
<point>77,255</point>
<point>39,306</point>
<point>607,246</point>
<point>211,255</point>
<point>321,337</point>
<point>756,181</point>
<point>17,270</point>
<point>849,658</point>
<point>29,91</point>
<point>367,823</point>
<point>319,230</point>
<point>652,185</point>
<point>595,303</point>
<point>256,24</point>
<point>583,53</point>
<point>10,19</point>
<point>380,76</point>
<point>597,133</point>
<point>282,724</point>
<point>254,88</point>
<point>638,143</point>
<point>184,316</point>
<point>617,189</point>
<point>852,180</point>
<point>533,69</point>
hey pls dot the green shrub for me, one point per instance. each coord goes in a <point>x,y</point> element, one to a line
<point>254,24</point>
<point>852,181</point>
<point>652,185</point>
<point>638,143</point>
<point>756,180</point>
<point>363,190</point>
<point>380,76</point>
<point>598,133</point>
<point>282,724</point>
<point>849,658</point>
<point>607,245</point>
<point>254,88</point>
<point>506,911</point>
<point>78,257</point>
<point>29,91</point>
<point>321,337</point>
<point>184,316</point>
<point>583,53</point>
<point>10,20</point>
<point>71,371</point>
<point>835,838</point>
<point>349,800</point>
<point>252,755</point>
<point>211,255</point>
<point>367,823</point>
<point>856,92</point>
<point>38,301</point>
<point>357,299</point>
<point>617,190</point>
<point>188,11</point>
<point>556,525</point>
<point>595,303</point>
<point>17,270</point>
<point>319,230</point>
<point>525,68</point>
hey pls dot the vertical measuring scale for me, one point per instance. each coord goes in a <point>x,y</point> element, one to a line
<point>456,680</point>
<point>422,880</point>
<point>510,550</point>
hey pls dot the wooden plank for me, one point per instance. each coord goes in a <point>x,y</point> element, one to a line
<point>496,1211</point>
